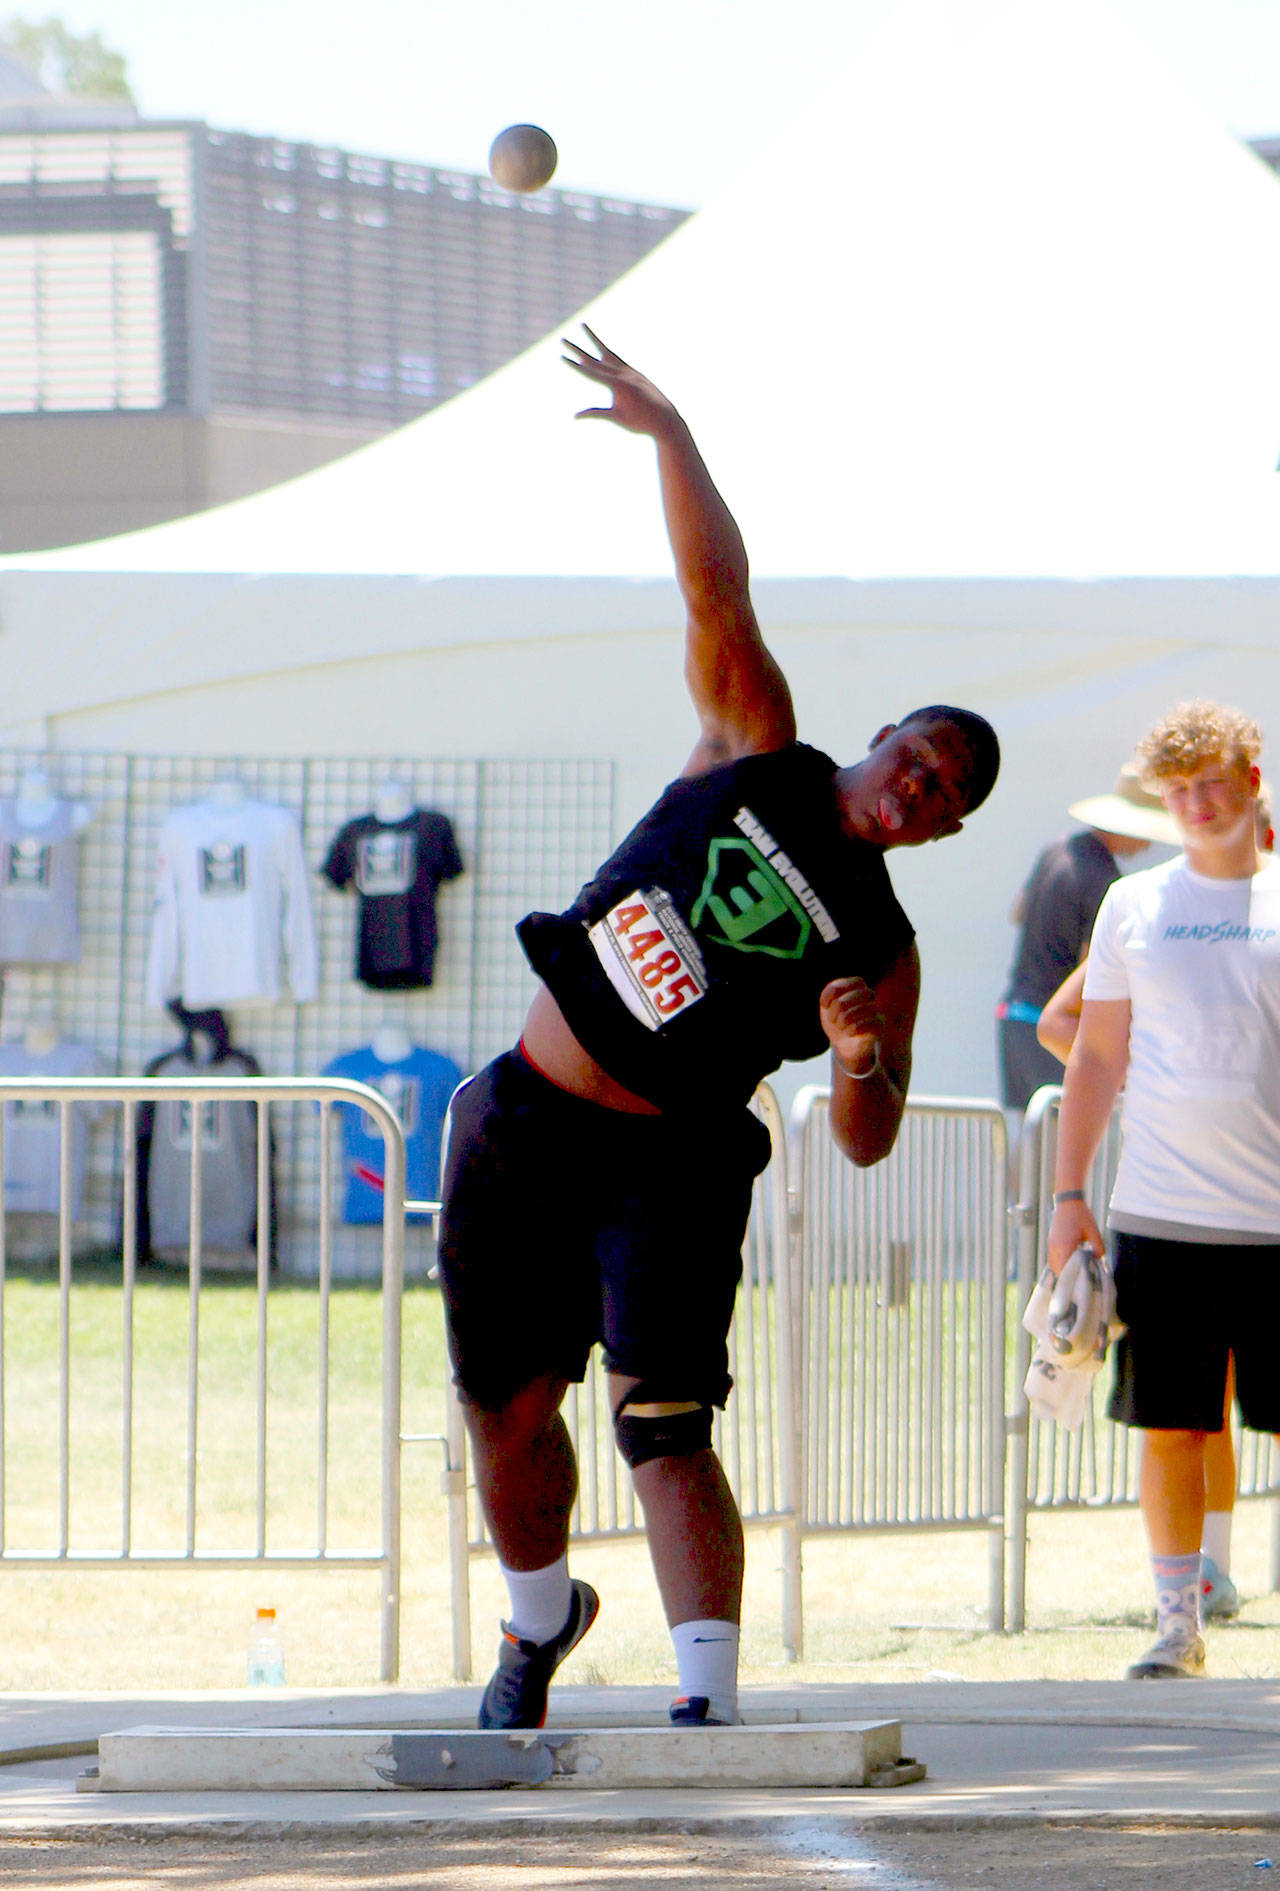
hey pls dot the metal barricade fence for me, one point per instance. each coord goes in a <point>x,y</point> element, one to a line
<point>756,1436</point>
<point>900,1298</point>
<point>247,1469</point>
<point>1096,1467</point>
<point>868,1351</point>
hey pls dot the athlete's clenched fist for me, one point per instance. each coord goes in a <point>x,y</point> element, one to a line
<point>853,1023</point>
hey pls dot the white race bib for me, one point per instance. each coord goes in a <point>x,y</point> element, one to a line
<point>650,957</point>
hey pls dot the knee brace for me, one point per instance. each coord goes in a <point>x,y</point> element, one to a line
<point>642,1438</point>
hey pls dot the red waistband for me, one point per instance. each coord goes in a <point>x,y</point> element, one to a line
<point>522,1050</point>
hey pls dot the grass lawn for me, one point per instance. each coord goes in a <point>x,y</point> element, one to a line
<point>878,1607</point>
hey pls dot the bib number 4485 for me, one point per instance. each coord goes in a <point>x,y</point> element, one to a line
<point>653,969</point>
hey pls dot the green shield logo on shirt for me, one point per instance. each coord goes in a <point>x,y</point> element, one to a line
<point>746,905</point>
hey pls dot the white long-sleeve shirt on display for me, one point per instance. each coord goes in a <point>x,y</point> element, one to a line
<point>232,898</point>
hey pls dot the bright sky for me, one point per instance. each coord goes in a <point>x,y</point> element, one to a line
<point>656,99</point>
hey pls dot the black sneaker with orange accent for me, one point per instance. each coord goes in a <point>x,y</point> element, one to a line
<point>694,1710</point>
<point>517,1693</point>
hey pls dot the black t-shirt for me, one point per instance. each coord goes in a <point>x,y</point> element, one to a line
<point>692,964</point>
<point>1059,905</point>
<point>396,867</point>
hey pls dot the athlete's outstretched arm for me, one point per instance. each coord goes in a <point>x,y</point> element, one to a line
<point>870,1031</point>
<point>740,695</point>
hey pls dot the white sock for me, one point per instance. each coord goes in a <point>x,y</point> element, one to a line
<point>1215,1539</point>
<point>707,1663</point>
<point>1177,1580</point>
<point>540,1600</point>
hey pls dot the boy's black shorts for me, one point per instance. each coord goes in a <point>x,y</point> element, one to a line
<point>1187,1305</point>
<point>565,1224</point>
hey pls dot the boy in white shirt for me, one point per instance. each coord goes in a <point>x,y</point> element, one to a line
<point>1182,1008</point>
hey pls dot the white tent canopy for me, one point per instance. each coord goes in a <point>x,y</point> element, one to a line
<point>1002,302</point>
<point>981,353</point>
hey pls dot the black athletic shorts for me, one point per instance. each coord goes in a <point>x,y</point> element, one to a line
<point>1025,1065</point>
<point>1187,1305</point>
<point>565,1224</point>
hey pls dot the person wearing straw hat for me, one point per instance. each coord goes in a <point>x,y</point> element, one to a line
<point>1055,912</point>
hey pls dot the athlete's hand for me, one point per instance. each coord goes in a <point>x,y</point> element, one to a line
<point>1073,1226</point>
<point>637,403</point>
<point>854,1024</point>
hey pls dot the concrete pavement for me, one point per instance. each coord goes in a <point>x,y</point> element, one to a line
<point>1198,1752</point>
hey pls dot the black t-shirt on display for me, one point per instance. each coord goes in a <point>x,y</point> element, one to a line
<point>395,867</point>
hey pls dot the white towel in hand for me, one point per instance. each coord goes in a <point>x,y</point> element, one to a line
<point>1059,1381</point>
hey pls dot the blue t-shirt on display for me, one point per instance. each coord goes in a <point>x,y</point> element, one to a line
<point>418,1088</point>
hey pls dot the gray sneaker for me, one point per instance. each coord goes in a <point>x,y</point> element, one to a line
<point>1172,1658</point>
<point>1219,1600</point>
<point>517,1692</point>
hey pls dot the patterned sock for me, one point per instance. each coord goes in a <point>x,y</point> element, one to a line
<point>540,1600</point>
<point>707,1663</point>
<point>1177,1580</point>
<point>1215,1539</point>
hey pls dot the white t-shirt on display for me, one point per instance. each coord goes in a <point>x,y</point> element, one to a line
<point>39,869</point>
<point>33,1129</point>
<point>1199,962</point>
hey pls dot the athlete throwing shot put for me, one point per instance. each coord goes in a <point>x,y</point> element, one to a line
<point>598,1177</point>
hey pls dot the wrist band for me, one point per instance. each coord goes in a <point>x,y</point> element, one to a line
<point>1068,1195</point>
<point>860,1076</point>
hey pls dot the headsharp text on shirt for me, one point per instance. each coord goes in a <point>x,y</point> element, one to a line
<point>760,837</point>
<point>1224,933</point>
